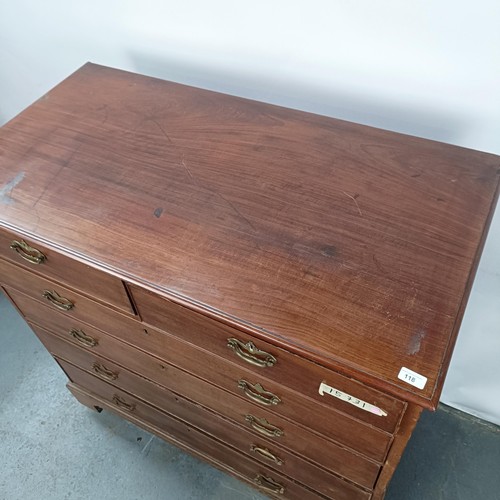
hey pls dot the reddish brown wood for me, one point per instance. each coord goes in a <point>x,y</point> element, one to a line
<point>34,306</point>
<point>70,272</point>
<point>35,286</point>
<point>344,251</point>
<point>85,398</point>
<point>408,423</point>
<point>198,444</point>
<point>350,245</point>
<point>224,430</point>
<point>294,437</point>
<point>213,336</point>
<point>333,425</point>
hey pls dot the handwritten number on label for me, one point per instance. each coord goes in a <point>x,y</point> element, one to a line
<point>323,387</point>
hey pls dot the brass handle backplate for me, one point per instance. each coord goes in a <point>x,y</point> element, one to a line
<point>262,426</point>
<point>84,339</point>
<point>121,403</point>
<point>269,484</point>
<point>56,300</point>
<point>250,353</point>
<point>28,253</point>
<point>264,452</point>
<point>257,393</point>
<point>103,372</point>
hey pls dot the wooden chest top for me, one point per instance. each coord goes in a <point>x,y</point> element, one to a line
<point>352,246</point>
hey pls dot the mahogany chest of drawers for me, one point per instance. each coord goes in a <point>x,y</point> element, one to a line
<point>276,292</point>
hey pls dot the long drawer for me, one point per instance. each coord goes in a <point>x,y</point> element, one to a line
<point>259,448</point>
<point>263,425</point>
<point>78,306</point>
<point>264,359</point>
<point>54,265</point>
<point>363,438</point>
<point>283,432</point>
<point>196,442</point>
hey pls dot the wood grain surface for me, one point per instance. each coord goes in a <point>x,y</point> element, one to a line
<point>55,266</point>
<point>362,438</point>
<point>299,440</point>
<point>352,246</point>
<point>202,446</point>
<point>160,344</point>
<point>210,423</point>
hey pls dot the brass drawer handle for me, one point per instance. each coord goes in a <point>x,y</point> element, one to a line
<point>257,393</point>
<point>56,300</point>
<point>103,372</point>
<point>269,484</point>
<point>121,403</point>
<point>264,452</point>
<point>83,338</point>
<point>28,253</point>
<point>250,353</point>
<point>262,426</point>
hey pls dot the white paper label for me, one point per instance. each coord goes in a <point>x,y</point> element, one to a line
<point>351,399</point>
<point>412,378</point>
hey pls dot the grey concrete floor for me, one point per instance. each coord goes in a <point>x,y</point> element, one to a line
<point>51,447</point>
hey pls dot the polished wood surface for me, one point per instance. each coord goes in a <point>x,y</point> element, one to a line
<point>199,444</point>
<point>74,274</point>
<point>213,336</point>
<point>34,286</point>
<point>348,245</point>
<point>202,264</point>
<point>293,437</point>
<point>88,316</point>
<point>245,441</point>
<point>333,425</point>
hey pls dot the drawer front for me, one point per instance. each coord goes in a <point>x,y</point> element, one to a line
<point>266,360</point>
<point>35,307</point>
<point>196,442</point>
<point>327,454</point>
<point>367,440</point>
<point>243,440</point>
<point>58,267</point>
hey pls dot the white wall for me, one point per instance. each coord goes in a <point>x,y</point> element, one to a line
<point>425,68</point>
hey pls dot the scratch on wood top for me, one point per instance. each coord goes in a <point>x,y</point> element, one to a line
<point>164,132</point>
<point>183,163</point>
<point>6,191</point>
<point>353,198</point>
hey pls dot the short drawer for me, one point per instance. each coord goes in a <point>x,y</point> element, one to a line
<point>338,427</point>
<point>259,448</point>
<point>186,437</point>
<point>266,360</point>
<point>278,432</point>
<point>58,267</point>
<point>35,307</point>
